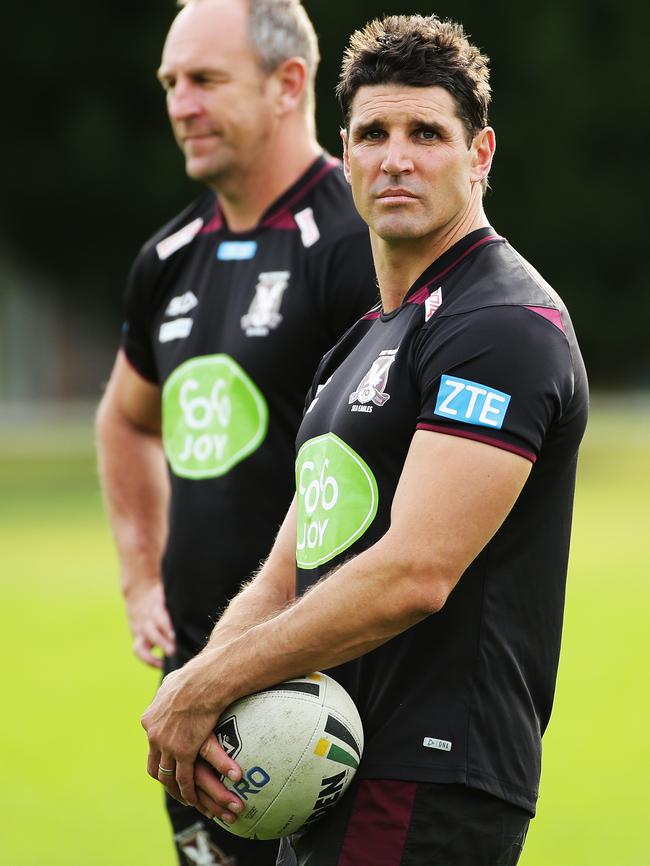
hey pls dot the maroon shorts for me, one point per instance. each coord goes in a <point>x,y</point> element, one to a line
<point>393,823</point>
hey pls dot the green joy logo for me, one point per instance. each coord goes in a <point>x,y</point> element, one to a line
<point>214,416</point>
<point>337,499</point>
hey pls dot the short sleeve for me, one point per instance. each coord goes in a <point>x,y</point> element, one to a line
<point>346,281</point>
<point>136,330</point>
<point>500,375</point>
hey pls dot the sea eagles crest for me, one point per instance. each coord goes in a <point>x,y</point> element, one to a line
<point>373,385</point>
<point>264,312</point>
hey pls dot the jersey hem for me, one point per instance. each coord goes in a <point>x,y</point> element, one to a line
<point>522,798</point>
<point>477,437</point>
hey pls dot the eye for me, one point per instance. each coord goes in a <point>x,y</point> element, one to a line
<point>167,84</point>
<point>427,134</point>
<point>373,134</point>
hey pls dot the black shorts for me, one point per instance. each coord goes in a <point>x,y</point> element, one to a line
<point>201,841</point>
<point>392,823</point>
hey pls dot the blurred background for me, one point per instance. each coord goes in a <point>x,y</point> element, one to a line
<point>89,170</point>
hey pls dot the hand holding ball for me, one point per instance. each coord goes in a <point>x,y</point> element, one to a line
<point>299,744</point>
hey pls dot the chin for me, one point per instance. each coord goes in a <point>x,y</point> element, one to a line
<point>197,170</point>
<point>402,231</point>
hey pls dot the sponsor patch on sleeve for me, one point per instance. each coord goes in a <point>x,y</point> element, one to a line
<point>471,403</point>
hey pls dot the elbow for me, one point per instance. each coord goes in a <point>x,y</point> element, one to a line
<point>430,585</point>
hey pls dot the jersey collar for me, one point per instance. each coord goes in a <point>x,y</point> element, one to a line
<point>445,264</point>
<point>279,214</point>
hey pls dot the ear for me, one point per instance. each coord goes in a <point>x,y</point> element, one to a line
<point>483,148</point>
<point>346,156</point>
<point>291,79</point>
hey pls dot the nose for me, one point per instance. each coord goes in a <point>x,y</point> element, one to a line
<point>182,102</point>
<point>396,159</point>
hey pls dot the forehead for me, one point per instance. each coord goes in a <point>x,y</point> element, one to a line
<point>209,33</point>
<point>395,103</point>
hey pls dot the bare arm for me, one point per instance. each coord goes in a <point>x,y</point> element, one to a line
<point>136,491</point>
<point>452,497</point>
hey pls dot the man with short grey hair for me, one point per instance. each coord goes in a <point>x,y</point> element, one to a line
<point>230,307</point>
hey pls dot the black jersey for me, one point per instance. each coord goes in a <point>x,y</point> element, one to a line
<point>482,348</point>
<point>232,327</point>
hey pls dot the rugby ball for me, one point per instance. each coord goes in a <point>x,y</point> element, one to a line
<point>299,744</point>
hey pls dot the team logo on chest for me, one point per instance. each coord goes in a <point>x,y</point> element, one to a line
<point>372,388</point>
<point>264,314</point>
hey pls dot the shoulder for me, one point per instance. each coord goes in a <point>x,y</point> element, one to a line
<point>499,276</point>
<point>181,230</point>
<point>497,306</point>
<point>326,214</point>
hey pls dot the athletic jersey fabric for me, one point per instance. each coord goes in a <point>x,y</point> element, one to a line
<point>482,348</point>
<point>232,326</point>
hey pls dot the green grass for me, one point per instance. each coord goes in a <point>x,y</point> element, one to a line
<point>74,788</point>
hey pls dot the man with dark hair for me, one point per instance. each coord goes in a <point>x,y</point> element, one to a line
<point>448,422</point>
<point>230,307</point>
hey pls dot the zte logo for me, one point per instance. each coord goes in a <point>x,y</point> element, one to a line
<point>471,403</point>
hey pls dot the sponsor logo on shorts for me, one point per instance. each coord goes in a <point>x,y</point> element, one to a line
<point>264,314</point>
<point>372,388</point>
<point>179,239</point>
<point>199,849</point>
<point>182,304</point>
<point>214,416</point>
<point>179,329</point>
<point>337,499</point>
<point>471,403</point>
<point>236,251</point>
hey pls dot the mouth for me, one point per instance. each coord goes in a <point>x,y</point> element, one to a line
<point>192,137</point>
<point>396,195</point>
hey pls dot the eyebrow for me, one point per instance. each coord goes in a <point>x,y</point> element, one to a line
<point>163,73</point>
<point>382,123</point>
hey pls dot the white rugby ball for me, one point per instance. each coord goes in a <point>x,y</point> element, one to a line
<point>299,744</point>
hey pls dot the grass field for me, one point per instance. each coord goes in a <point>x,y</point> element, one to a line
<point>74,789</point>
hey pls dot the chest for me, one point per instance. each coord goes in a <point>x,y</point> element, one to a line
<point>249,300</point>
<point>369,398</point>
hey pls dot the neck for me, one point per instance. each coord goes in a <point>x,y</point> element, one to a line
<point>399,262</point>
<point>245,195</point>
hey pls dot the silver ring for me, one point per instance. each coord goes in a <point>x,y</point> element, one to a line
<point>166,772</point>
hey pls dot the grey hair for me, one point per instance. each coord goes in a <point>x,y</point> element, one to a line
<point>278,30</point>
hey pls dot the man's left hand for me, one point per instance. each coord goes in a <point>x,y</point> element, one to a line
<point>179,727</point>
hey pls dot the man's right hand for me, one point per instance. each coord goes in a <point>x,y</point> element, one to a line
<point>150,623</point>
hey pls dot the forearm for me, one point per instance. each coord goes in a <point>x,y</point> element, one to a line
<point>136,492</point>
<point>355,609</point>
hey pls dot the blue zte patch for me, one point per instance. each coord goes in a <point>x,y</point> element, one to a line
<point>471,403</point>
<point>236,251</point>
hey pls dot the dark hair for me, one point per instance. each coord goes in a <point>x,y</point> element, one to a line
<point>418,51</point>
